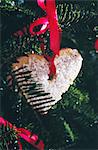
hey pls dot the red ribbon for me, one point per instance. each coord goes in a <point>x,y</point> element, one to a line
<point>25,134</point>
<point>39,21</point>
<point>50,22</point>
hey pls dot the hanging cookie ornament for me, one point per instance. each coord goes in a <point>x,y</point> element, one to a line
<point>32,72</point>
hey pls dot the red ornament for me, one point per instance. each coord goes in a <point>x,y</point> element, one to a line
<point>96,45</point>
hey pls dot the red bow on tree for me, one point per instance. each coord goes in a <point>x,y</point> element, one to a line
<point>24,134</point>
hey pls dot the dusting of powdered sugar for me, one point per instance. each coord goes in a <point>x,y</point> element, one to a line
<point>68,65</point>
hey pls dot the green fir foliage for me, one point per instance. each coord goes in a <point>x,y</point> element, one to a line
<point>73,122</point>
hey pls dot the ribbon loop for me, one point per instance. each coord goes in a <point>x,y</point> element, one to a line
<point>41,21</point>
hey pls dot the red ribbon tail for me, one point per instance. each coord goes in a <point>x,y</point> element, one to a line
<point>26,135</point>
<point>20,145</point>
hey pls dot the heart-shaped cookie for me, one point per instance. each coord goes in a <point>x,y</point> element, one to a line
<point>31,74</point>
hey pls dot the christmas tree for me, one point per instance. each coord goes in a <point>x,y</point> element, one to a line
<point>72,123</point>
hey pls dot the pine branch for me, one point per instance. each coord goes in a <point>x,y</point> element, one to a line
<point>7,137</point>
<point>72,13</point>
<point>8,7</point>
